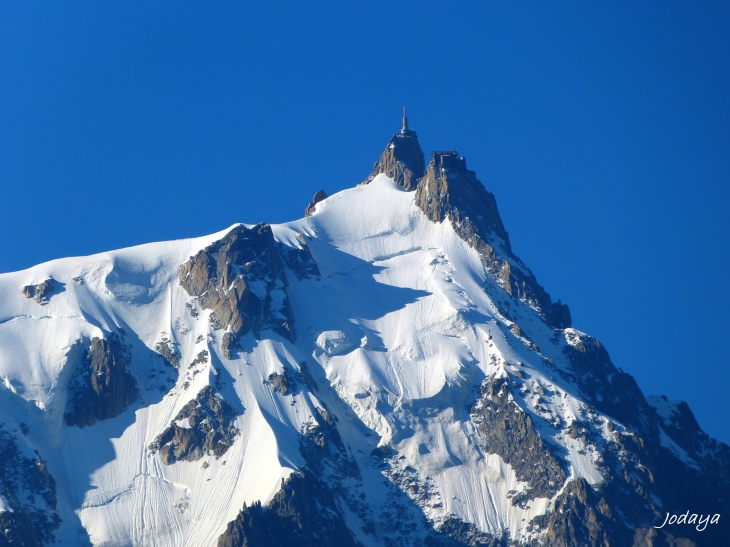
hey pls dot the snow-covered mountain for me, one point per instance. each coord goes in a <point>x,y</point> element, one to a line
<point>382,372</point>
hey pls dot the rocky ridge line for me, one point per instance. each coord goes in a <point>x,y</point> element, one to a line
<point>644,477</point>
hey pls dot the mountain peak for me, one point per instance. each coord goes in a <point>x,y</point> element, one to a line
<point>448,190</point>
<point>431,393</point>
<point>402,160</point>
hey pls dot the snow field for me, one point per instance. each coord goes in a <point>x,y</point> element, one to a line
<point>410,296</point>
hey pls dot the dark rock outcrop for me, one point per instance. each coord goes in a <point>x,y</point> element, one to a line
<point>454,532</point>
<point>168,353</point>
<point>658,462</point>
<point>402,160</point>
<point>557,315</point>
<point>311,505</point>
<point>650,537</point>
<point>221,277</point>
<point>28,492</point>
<point>697,481</point>
<point>102,385</point>
<point>318,196</point>
<point>450,189</point>
<point>678,421</point>
<point>41,291</point>
<point>283,382</point>
<point>200,359</point>
<point>506,430</point>
<point>404,524</point>
<point>203,427</point>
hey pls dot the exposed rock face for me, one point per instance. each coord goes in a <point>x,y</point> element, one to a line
<point>28,493</point>
<point>203,427</point>
<point>41,292</point>
<point>506,430</point>
<point>168,353</point>
<point>680,424</point>
<point>402,160</point>
<point>450,190</point>
<point>610,390</point>
<point>200,359</point>
<point>318,196</point>
<point>403,525</point>
<point>583,517</point>
<point>698,481</point>
<point>642,458</point>
<point>659,538</point>
<point>557,315</point>
<point>102,385</point>
<point>222,276</point>
<point>457,533</point>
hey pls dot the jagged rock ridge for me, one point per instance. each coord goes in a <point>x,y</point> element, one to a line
<point>307,508</point>
<point>450,190</point>
<point>299,259</point>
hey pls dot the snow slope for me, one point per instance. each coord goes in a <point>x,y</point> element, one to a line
<point>398,330</point>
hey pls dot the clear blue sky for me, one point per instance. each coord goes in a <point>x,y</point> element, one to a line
<point>603,128</point>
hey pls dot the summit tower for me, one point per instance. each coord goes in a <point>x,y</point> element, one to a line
<point>404,130</point>
<point>403,159</point>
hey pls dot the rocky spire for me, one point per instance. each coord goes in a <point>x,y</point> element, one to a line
<point>318,196</point>
<point>402,160</point>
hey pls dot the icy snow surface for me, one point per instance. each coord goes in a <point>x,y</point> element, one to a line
<point>396,328</point>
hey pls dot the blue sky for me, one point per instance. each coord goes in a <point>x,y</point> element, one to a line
<point>602,128</point>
